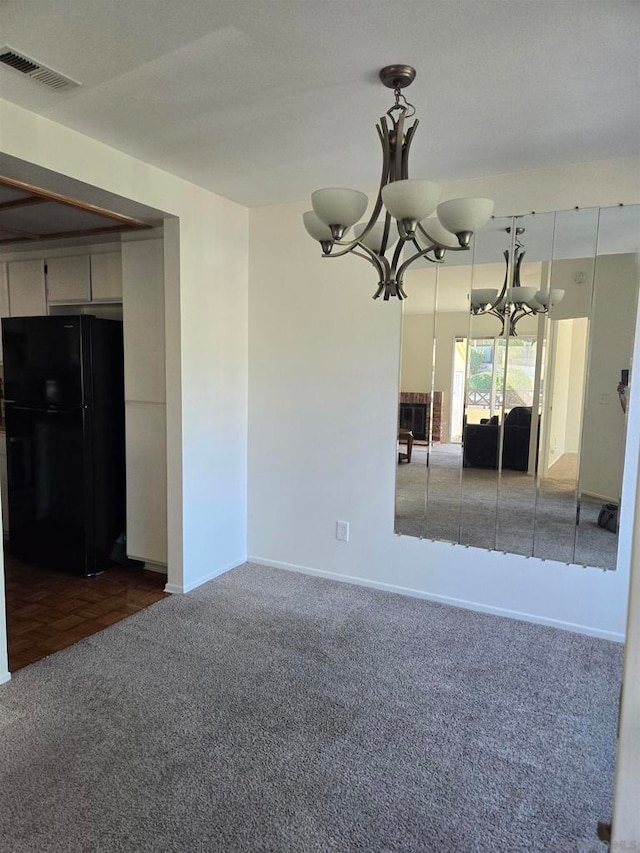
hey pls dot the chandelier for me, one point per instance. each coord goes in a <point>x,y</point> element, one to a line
<point>404,233</point>
<point>514,301</point>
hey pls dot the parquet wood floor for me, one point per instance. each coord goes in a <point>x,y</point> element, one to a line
<point>48,611</point>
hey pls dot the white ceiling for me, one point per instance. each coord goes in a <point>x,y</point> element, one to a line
<point>263,101</point>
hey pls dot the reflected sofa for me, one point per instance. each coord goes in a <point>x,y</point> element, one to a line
<point>480,441</point>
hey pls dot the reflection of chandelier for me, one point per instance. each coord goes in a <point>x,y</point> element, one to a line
<point>408,202</point>
<point>514,301</point>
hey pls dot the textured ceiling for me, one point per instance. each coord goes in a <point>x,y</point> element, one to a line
<point>262,101</point>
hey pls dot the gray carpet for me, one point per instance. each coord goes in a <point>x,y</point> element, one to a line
<point>510,512</point>
<point>269,711</point>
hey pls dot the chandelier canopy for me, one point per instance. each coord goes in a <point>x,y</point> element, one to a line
<point>401,228</point>
<point>514,301</point>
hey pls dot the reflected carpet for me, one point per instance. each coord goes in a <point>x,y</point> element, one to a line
<point>506,512</point>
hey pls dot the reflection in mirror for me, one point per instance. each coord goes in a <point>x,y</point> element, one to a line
<point>482,390</point>
<point>443,514</point>
<point>416,413</point>
<point>523,348</point>
<point>517,355</point>
<point>570,272</point>
<point>612,327</point>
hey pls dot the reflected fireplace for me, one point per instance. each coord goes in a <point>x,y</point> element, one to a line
<point>414,414</point>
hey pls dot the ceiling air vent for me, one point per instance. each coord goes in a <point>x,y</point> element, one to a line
<point>35,70</point>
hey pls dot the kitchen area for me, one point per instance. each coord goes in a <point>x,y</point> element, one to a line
<point>82,418</point>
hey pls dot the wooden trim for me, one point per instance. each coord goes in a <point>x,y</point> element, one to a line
<point>25,235</point>
<point>88,232</point>
<point>64,235</point>
<point>22,202</point>
<point>13,240</point>
<point>72,202</point>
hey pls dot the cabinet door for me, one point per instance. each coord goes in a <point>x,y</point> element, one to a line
<point>106,277</point>
<point>68,279</point>
<point>26,288</point>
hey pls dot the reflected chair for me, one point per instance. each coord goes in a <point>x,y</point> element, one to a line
<point>405,437</point>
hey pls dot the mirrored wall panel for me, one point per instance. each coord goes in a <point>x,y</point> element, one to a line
<point>515,368</point>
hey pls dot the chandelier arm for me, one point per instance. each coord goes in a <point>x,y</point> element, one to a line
<point>431,260</point>
<point>421,254</point>
<point>517,315</point>
<point>374,259</point>
<point>436,245</point>
<point>349,247</point>
<point>385,142</point>
<point>404,169</point>
<point>396,149</point>
<point>385,234</point>
<point>386,166</point>
<point>370,256</point>
<point>396,257</point>
<point>520,253</point>
<point>503,291</point>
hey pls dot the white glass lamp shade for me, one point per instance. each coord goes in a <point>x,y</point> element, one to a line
<point>465,214</point>
<point>339,206</point>
<point>411,200</point>
<point>482,297</point>
<point>316,227</point>
<point>522,295</point>
<point>373,240</point>
<point>438,233</point>
<point>549,298</point>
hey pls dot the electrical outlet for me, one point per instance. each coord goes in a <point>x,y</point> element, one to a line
<point>342,531</point>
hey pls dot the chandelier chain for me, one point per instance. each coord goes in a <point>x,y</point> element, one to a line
<point>405,107</point>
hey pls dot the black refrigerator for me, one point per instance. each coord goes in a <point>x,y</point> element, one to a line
<point>64,421</point>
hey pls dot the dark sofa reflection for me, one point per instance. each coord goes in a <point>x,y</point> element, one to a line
<point>480,441</point>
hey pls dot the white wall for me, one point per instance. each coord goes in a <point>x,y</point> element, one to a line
<point>626,826</point>
<point>206,331</point>
<point>565,384</point>
<point>611,348</point>
<point>575,397</point>
<point>417,353</point>
<point>323,382</point>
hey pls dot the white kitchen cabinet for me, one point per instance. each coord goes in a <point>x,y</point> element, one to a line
<point>106,277</point>
<point>146,448</point>
<point>69,279</point>
<point>27,293</point>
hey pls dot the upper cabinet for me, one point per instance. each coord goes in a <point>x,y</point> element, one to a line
<point>27,295</point>
<point>85,278</point>
<point>30,284</point>
<point>69,279</point>
<point>106,277</point>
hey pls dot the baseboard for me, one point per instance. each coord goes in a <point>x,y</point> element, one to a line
<point>160,568</point>
<point>443,599</point>
<point>177,589</point>
<point>4,677</point>
<point>607,499</point>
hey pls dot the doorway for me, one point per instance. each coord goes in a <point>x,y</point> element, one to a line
<point>76,276</point>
